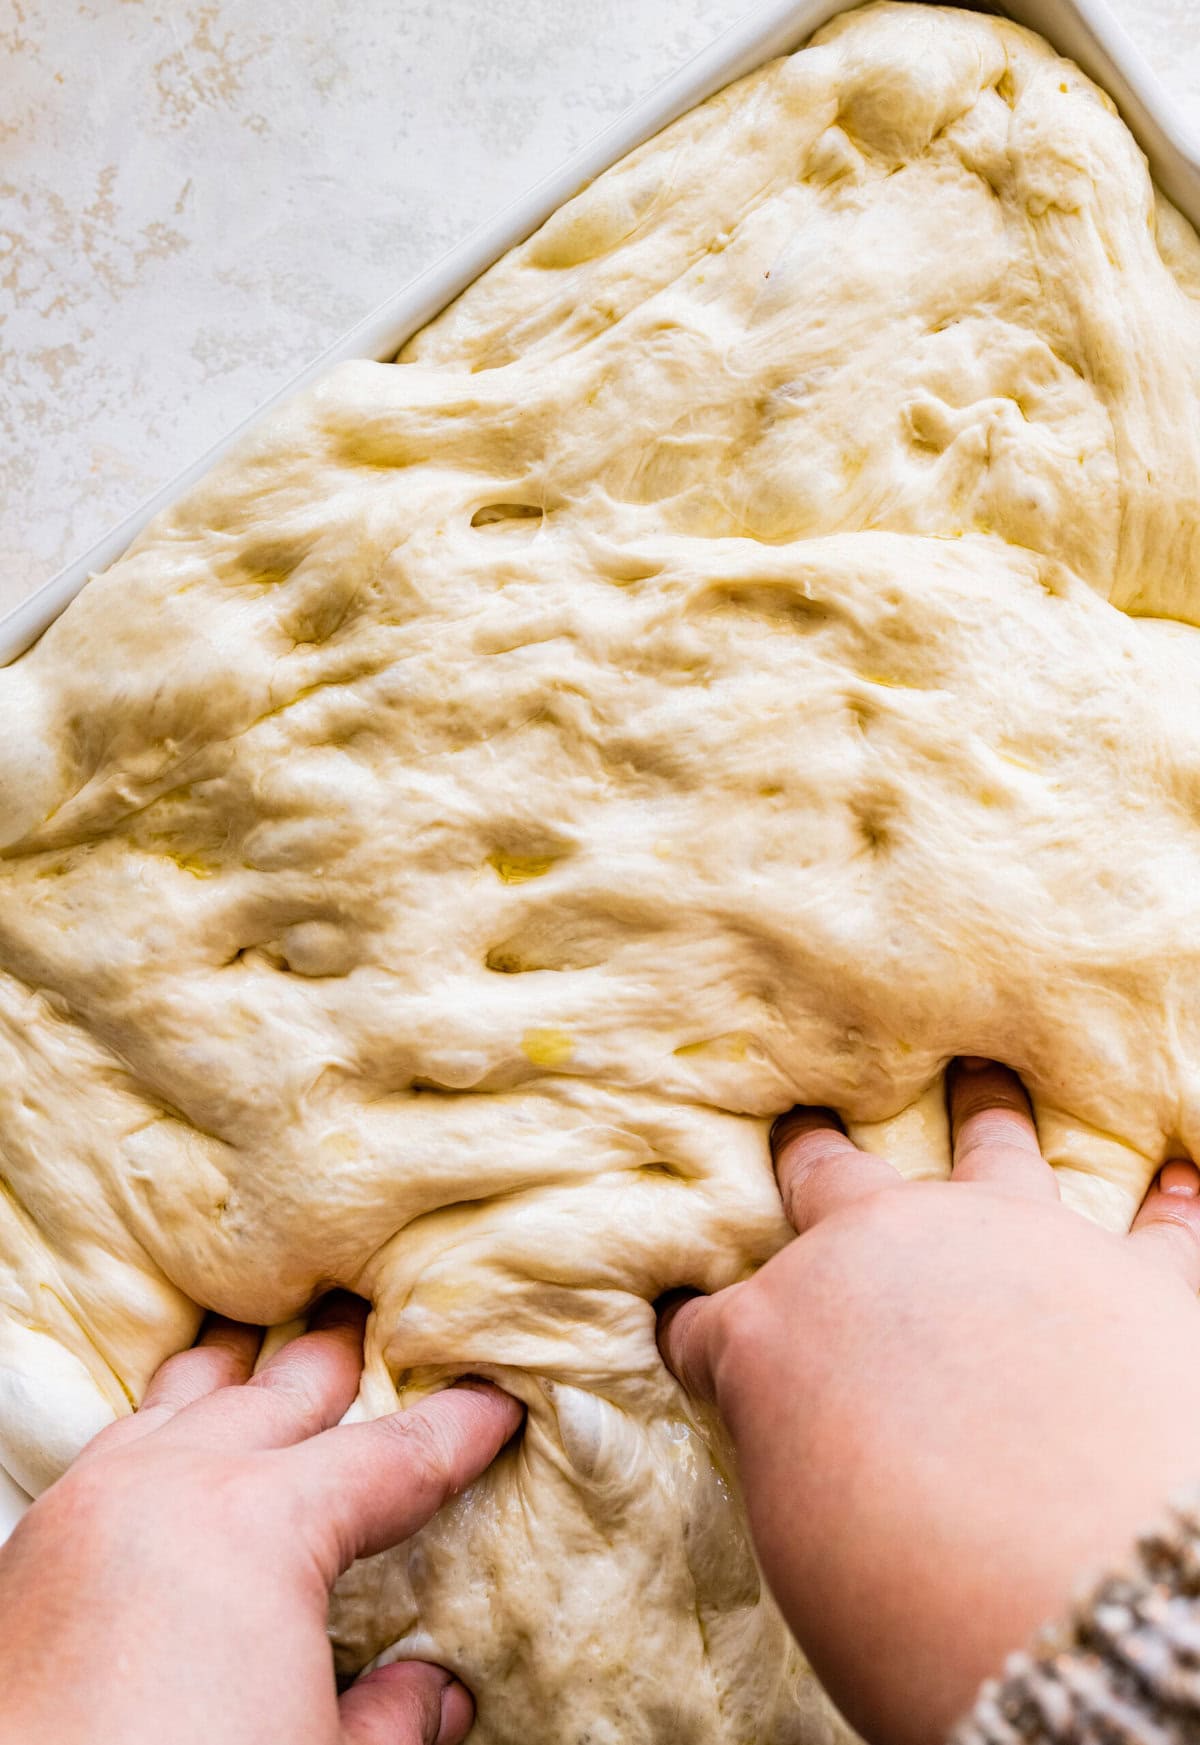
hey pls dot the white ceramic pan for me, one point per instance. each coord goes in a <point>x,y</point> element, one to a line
<point>1081,29</point>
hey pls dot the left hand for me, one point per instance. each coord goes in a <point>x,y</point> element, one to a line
<point>174,1584</point>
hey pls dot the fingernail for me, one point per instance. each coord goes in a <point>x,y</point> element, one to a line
<point>458,1713</point>
<point>1179,1177</point>
<point>479,1384</point>
<point>806,1115</point>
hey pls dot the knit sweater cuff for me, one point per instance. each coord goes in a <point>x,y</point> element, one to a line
<point>1123,1670</point>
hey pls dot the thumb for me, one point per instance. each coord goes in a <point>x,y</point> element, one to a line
<point>407,1703</point>
<point>688,1332</point>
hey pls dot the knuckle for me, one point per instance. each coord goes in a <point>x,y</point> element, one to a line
<point>744,1326</point>
<point>423,1447</point>
<point>993,1124</point>
<point>177,1364</point>
<point>828,1151</point>
<point>881,1210</point>
<point>734,1324</point>
<point>296,1385</point>
<point>1176,1223</point>
<point>817,1146</point>
<point>171,1378</point>
<point>805,1164</point>
<point>730,1315</point>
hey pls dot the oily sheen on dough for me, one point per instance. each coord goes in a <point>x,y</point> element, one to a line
<point>741,653</point>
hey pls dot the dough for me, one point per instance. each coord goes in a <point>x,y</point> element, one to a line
<point>742,653</point>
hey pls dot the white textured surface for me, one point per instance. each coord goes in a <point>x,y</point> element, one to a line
<point>196,198</point>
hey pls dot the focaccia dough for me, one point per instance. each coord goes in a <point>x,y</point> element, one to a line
<point>742,653</point>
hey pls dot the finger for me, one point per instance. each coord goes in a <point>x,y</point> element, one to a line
<point>304,1388</point>
<point>407,1703</point>
<point>368,1486</point>
<point>687,1339</point>
<point>820,1170</point>
<point>1168,1225</point>
<point>222,1357</point>
<point>992,1132</point>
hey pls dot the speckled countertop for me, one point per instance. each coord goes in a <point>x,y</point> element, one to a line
<point>196,198</point>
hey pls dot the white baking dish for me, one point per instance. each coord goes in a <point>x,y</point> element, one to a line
<point>1081,29</point>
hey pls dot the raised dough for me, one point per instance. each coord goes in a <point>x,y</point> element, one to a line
<point>742,654</point>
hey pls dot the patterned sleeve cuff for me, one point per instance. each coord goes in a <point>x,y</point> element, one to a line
<point>1125,1668</point>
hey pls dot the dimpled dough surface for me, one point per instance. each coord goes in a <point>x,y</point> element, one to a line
<point>742,653</point>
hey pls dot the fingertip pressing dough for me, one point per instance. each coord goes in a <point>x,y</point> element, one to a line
<point>742,652</point>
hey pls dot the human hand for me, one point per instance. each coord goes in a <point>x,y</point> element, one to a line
<point>950,1400</point>
<point>174,1584</point>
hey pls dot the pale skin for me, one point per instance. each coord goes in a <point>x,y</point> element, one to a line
<point>174,1584</point>
<point>949,1401</point>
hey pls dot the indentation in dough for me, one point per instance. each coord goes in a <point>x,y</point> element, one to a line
<point>660,1167</point>
<point>312,946</point>
<point>518,869</point>
<point>624,568</point>
<point>553,950</point>
<point>874,831</point>
<point>875,814</point>
<point>502,960</point>
<point>566,935</point>
<point>863,712</point>
<point>783,603</point>
<point>318,612</point>
<point>317,948</point>
<point>508,517</point>
<point>267,563</point>
<point>832,159</point>
<point>432,1087</point>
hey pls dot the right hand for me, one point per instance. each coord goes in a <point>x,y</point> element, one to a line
<point>951,1401</point>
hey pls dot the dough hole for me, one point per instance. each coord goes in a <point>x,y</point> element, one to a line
<point>778,603</point>
<point>518,867</point>
<point>862,713</point>
<point>875,834</point>
<point>253,956</point>
<point>518,517</point>
<point>504,961</point>
<point>421,1087</point>
<point>518,956</point>
<point>555,938</point>
<point>270,562</point>
<point>874,818</point>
